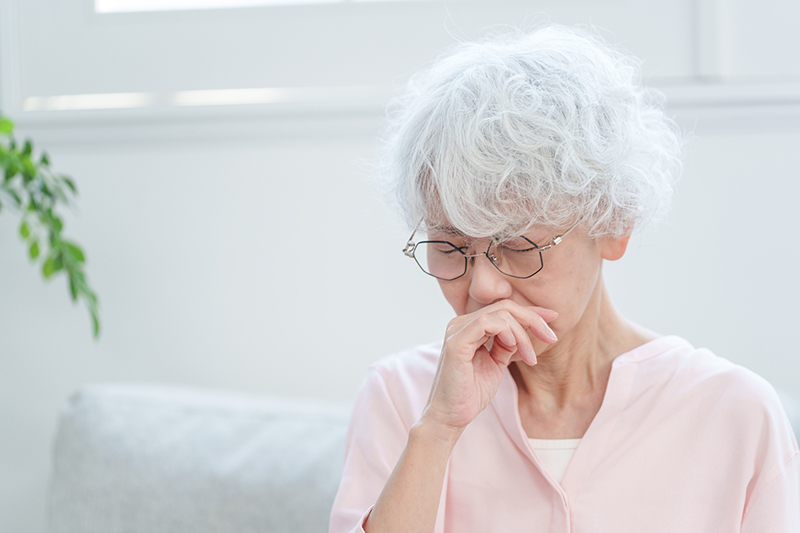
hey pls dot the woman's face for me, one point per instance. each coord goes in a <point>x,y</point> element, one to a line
<point>570,277</point>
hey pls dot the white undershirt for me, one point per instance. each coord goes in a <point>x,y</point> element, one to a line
<point>555,454</point>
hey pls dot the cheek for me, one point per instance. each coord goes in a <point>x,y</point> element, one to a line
<point>457,295</point>
<point>574,294</point>
<point>566,288</point>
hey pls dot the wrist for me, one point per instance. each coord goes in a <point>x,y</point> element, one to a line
<point>435,432</point>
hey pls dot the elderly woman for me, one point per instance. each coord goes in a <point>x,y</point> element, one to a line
<point>521,164</point>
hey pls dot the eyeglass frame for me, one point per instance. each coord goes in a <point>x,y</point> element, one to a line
<point>411,246</point>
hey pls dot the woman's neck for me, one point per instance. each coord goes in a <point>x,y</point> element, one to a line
<point>561,394</point>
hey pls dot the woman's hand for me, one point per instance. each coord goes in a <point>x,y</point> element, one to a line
<point>477,349</point>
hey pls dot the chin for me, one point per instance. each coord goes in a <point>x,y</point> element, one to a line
<point>540,348</point>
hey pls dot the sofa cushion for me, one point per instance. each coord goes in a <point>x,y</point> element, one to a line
<point>143,458</point>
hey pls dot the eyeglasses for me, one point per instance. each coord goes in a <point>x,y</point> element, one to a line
<point>518,258</point>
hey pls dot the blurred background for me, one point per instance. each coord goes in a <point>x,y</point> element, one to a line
<point>221,152</point>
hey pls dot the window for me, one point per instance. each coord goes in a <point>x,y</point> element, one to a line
<point>127,6</point>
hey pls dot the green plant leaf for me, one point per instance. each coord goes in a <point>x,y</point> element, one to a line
<point>73,251</point>
<point>73,289</point>
<point>80,279</point>
<point>95,325</point>
<point>13,194</point>
<point>6,126</point>
<point>11,170</point>
<point>38,193</point>
<point>48,267</point>
<point>43,188</point>
<point>53,264</point>
<point>49,219</point>
<point>28,169</point>
<point>70,184</point>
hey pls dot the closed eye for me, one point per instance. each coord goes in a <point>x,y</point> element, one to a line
<point>515,250</point>
<point>447,248</point>
<point>518,245</point>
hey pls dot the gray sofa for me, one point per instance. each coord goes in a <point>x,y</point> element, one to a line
<point>150,459</point>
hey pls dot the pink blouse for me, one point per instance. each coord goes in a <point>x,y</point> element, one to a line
<point>684,442</point>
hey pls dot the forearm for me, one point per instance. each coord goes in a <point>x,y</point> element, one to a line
<point>410,499</point>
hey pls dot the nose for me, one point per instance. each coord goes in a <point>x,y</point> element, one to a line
<point>487,284</point>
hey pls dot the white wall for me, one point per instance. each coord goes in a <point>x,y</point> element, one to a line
<point>220,240</point>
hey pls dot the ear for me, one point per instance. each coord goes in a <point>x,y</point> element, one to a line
<point>613,248</point>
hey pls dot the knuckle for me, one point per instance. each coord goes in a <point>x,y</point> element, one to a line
<point>453,329</point>
<point>455,325</point>
<point>482,320</point>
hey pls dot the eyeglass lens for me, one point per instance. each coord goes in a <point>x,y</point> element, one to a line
<point>519,258</point>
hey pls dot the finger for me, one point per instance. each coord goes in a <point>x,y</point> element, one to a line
<point>501,354</point>
<point>524,345</point>
<point>529,317</point>
<point>504,345</point>
<point>521,343</point>
<point>547,314</point>
<point>533,321</point>
<point>482,328</point>
<point>506,338</point>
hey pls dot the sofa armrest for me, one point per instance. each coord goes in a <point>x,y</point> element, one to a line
<point>143,458</point>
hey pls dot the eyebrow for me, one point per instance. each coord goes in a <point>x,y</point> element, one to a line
<point>448,230</point>
<point>451,231</point>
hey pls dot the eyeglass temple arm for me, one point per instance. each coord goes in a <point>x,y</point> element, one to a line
<point>408,249</point>
<point>557,239</point>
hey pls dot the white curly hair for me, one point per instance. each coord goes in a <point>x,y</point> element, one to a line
<point>526,129</point>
